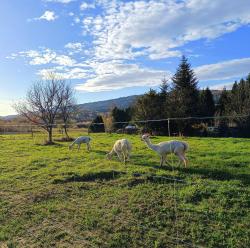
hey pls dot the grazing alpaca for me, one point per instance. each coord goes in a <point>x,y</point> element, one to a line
<point>122,148</point>
<point>80,140</point>
<point>174,146</point>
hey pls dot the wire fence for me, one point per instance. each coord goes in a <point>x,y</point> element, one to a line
<point>211,126</point>
<point>171,127</point>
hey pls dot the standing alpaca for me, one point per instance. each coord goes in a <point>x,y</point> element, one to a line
<point>122,148</point>
<point>174,146</point>
<point>80,140</point>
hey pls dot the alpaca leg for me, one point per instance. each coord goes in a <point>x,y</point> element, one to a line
<point>88,147</point>
<point>186,160</point>
<point>169,164</point>
<point>124,157</point>
<point>128,156</point>
<point>182,159</point>
<point>161,161</point>
<point>119,156</point>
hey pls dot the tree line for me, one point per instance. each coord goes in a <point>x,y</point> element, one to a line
<point>182,98</point>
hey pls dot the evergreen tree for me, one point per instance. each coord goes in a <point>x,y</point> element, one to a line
<point>223,104</point>
<point>150,106</point>
<point>222,110</point>
<point>120,115</point>
<point>184,95</point>
<point>207,105</point>
<point>99,127</point>
<point>239,104</point>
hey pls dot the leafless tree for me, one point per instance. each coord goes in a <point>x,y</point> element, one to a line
<point>68,108</point>
<point>42,103</point>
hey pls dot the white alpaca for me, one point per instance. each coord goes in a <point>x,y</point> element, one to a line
<point>122,148</point>
<point>81,140</point>
<point>174,146</point>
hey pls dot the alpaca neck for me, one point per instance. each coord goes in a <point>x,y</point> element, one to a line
<point>151,146</point>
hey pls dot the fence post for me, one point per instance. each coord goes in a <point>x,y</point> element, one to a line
<point>169,134</point>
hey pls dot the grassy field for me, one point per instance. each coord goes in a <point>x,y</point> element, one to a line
<point>53,197</point>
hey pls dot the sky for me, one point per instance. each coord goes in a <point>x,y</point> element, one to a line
<point>111,48</point>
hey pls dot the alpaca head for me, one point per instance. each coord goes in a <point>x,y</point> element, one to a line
<point>109,156</point>
<point>145,137</point>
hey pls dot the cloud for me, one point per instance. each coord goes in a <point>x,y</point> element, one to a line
<point>65,73</point>
<point>6,108</point>
<point>158,29</point>
<point>76,47</point>
<point>48,16</point>
<point>116,75</point>
<point>224,70</point>
<point>45,56</point>
<point>60,1</point>
<point>227,86</point>
<point>85,6</point>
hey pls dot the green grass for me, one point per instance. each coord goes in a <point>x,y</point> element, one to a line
<point>53,197</point>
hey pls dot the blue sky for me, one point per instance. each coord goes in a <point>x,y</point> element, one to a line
<point>112,48</point>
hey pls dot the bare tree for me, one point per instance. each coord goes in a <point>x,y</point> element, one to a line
<point>42,103</point>
<point>67,108</point>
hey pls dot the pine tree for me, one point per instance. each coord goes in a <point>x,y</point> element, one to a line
<point>120,115</point>
<point>99,127</point>
<point>185,95</point>
<point>222,110</point>
<point>223,104</point>
<point>239,104</point>
<point>207,105</point>
<point>150,106</point>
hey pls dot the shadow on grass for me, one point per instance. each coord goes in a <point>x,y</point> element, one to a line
<point>101,152</point>
<point>103,175</point>
<point>214,174</point>
<point>49,144</point>
<point>153,178</point>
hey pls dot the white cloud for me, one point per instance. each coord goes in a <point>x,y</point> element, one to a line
<point>224,70</point>
<point>65,73</point>
<point>116,75</point>
<point>6,108</point>
<point>48,16</point>
<point>85,6</point>
<point>227,86</point>
<point>64,60</point>
<point>74,47</point>
<point>158,29</point>
<point>60,1</point>
<point>44,57</point>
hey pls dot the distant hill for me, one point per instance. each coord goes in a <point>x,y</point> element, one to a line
<point>88,111</point>
<point>8,117</point>
<point>106,106</point>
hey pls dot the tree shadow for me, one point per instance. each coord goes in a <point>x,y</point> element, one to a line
<point>217,174</point>
<point>101,152</point>
<point>53,144</point>
<point>214,174</point>
<point>90,177</point>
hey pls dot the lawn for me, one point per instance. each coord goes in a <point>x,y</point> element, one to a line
<point>53,197</point>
